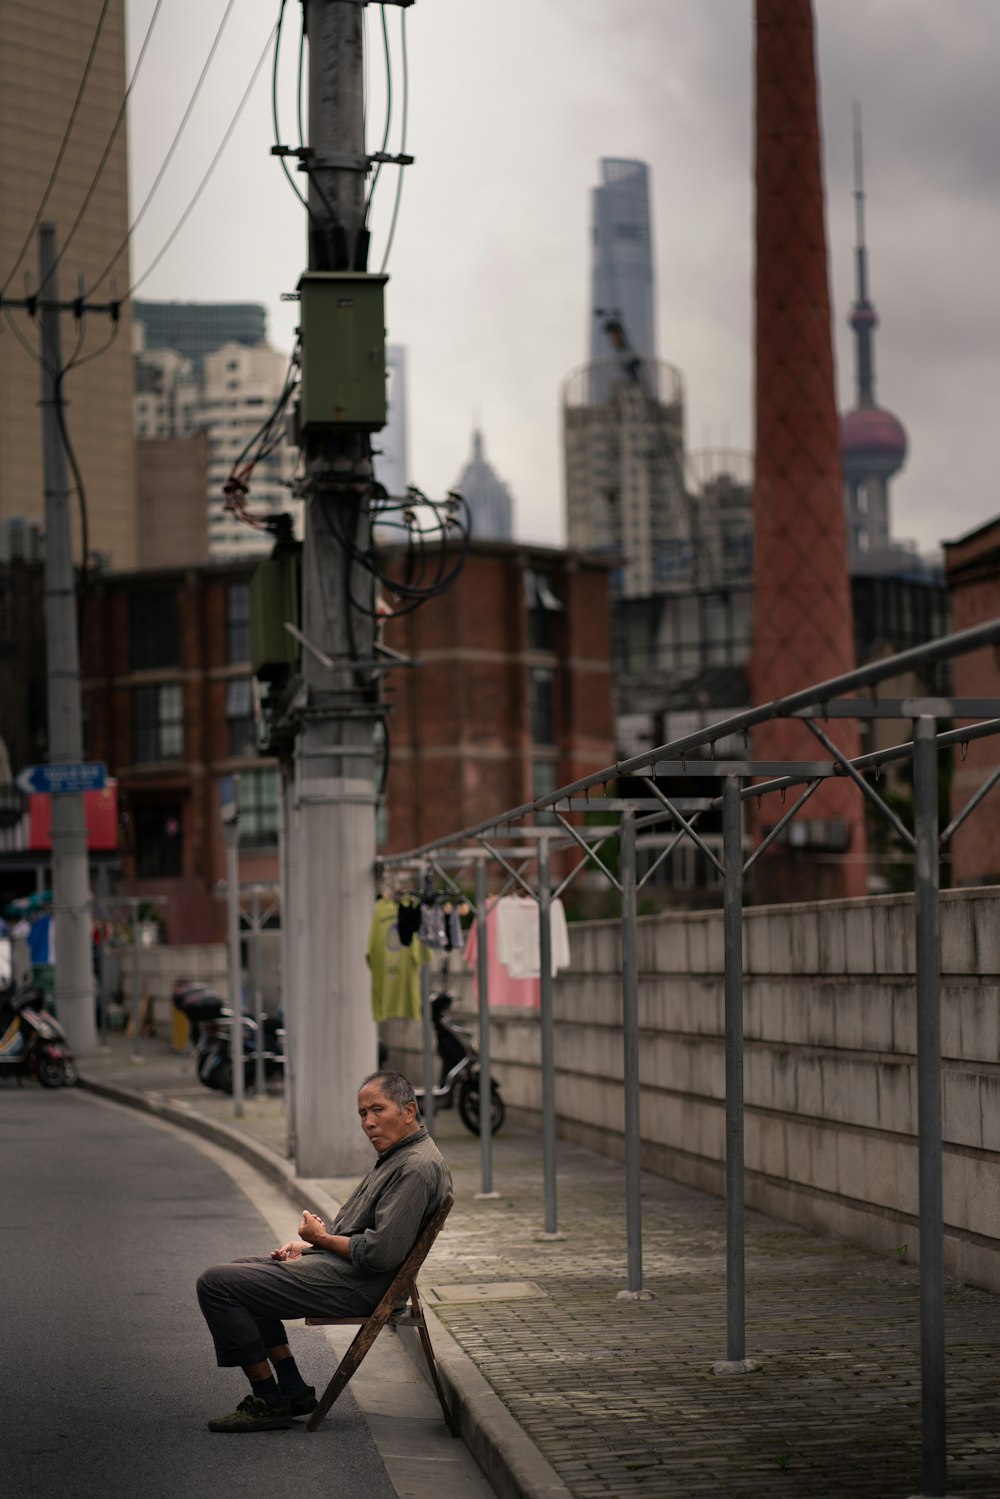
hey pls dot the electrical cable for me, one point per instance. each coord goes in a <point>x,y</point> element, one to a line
<point>388,112</point>
<point>208,174</point>
<point>402,143</point>
<point>29,237</point>
<point>170,152</point>
<point>91,190</point>
<point>274,101</point>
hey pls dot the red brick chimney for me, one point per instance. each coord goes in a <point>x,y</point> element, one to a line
<point>802,620</point>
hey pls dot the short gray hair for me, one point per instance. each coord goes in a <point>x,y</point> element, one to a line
<point>394,1085</point>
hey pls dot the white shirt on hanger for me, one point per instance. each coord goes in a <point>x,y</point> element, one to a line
<point>517,936</point>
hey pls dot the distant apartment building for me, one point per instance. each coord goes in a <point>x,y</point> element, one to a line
<point>43,49</point>
<point>225,390</point>
<point>626,493</point>
<point>195,329</point>
<point>240,387</point>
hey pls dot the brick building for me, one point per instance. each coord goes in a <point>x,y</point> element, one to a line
<point>168,704</point>
<point>972,571</point>
<point>513,696</point>
<point>512,699</point>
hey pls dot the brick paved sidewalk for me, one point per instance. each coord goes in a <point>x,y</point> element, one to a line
<point>619,1396</point>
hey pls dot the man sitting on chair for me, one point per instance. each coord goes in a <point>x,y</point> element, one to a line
<point>343,1271</point>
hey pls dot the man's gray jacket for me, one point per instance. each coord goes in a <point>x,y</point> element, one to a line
<point>382,1217</point>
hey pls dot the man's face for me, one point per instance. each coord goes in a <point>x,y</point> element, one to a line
<point>383,1121</point>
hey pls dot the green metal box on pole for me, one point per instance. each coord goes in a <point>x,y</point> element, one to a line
<point>274,598</point>
<point>343,350</point>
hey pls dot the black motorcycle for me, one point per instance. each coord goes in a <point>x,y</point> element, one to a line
<point>459,1073</point>
<point>213,1059</point>
<point>32,1042</point>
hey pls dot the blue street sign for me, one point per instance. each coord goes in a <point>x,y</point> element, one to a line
<point>59,780</point>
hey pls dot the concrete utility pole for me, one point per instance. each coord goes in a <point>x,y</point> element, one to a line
<point>335,1040</point>
<point>74,977</point>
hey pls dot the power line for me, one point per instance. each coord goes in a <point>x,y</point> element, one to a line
<point>388,111</point>
<point>108,147</point>
<point>173,147</point>
<point>402,144</point>
<point>211,168</point>
<point>29,237</point>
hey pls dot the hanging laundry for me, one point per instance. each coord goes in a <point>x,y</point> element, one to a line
<point>517,936</point>
<point>453,927</point>
<point>395,966</point>
<point>408,915</point>
<point>433,932</point>
<point>525,994</point>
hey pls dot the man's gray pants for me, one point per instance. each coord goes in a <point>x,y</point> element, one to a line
<point>245,1301</point>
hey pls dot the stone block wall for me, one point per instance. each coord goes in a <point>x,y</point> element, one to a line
<point>830,1064</point>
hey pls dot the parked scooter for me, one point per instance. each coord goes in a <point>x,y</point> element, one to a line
<point>213,1061</point>
<point>459,1070</point>
<point>32,1042</point>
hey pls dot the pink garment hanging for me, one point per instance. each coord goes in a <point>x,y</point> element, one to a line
<point>526,994</point>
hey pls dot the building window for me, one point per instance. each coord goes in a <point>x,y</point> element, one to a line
<point>544,606</point>
<point>544,780</point>
<point>157,723</point>
<point>543,705</point>
<point>237,618</point>
<point>154,633</point>
<point>158,840</point>
<point>239,717</point>
<point>258,797</point>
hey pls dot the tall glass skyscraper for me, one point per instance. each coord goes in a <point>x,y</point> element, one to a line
<point>622,267</point>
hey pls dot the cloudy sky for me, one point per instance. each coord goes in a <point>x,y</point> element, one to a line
<point>510,109</point>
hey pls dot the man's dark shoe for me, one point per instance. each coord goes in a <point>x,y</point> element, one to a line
<point>303,1402</point>
<point>254,1414</point>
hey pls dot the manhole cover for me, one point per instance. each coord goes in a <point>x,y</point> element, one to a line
<point>496,1290</point>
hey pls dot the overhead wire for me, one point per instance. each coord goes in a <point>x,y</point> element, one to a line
<point>29,237</point>
<point>172,148</point>
<point>388,112</point>
<point>91,190</point>
<point>210,170</point>
<point>402,143</point>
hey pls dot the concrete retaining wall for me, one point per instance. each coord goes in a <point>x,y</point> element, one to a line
<point>830,1027</point>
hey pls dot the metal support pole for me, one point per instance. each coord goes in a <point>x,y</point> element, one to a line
<point>485,1074</point>
<point>551,1230</point>
<point>232,836</point>
<point>928,946</point>
<point>630,1042</point>
<point>257,992</point>
<point>732,852</point>
<point>136,1007</point>
<point>289,946</point>
<point>73,987</point>
<point>427,1031</point>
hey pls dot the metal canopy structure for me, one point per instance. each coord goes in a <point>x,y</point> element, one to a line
<point>486,842</point>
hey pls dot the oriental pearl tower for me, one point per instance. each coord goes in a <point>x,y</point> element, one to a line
<point>872,440</point>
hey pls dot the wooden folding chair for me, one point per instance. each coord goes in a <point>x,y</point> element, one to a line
<point>404,1287</point>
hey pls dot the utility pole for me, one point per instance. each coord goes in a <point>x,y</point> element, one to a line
<point>335,1042</point>
<point>74,977</point>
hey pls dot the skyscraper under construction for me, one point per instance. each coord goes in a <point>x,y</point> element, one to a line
<point>55,58</point>
<point>623,412</point>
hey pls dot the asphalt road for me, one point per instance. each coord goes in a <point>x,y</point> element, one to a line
<point>107,1373</point>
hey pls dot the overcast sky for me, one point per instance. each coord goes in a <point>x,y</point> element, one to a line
<point>510,109</point>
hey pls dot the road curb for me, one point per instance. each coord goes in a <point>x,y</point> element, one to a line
<point>506,1454</point>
